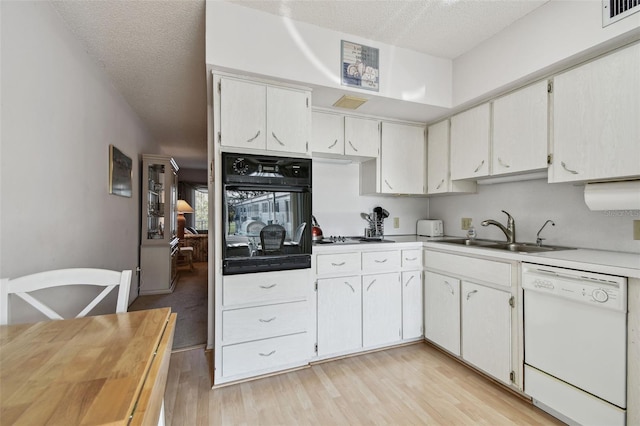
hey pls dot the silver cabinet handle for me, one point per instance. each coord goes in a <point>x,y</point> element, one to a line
<point>410,259</point>
<point>390,187</point>
<point>440,184</point>
<point>266,320</point>
<point>352,289</point>
<point>354,148</point>
<point>276,138</point>
<point>470,293</point>
<point>370,284</point>
<point>409,280</point>
<point>450,287</point>
<point>478,168</point>
<point>564,166</point>
<point>266,287</point>
<point>338,264</point>
<point>333,144</point>
<point>255,137</point>
<point>502,163</point>
<point>380,261</point>
<point>269,354</point>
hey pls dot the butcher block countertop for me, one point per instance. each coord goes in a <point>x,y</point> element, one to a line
<point>107,369</point>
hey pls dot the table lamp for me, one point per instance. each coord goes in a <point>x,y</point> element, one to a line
<point>182,207</point>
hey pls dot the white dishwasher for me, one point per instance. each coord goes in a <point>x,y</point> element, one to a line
<point>575,344</point>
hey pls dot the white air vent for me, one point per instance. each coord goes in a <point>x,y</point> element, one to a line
<point>615,10</point>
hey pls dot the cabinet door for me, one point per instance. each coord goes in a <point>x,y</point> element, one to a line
<point>470,143</point>
<point>411,304</point>
<point>381,309</point>
<point>520,131</point>
<point>442,311</point>
<point>596,130</point>
<point>327,135</point>
<point>339,315</point>
<point>242,114</point>
<point>288,120</point>
<point>438,158</point>
<point>361,137</point>
<point>403,159</point>
<point>486,329</point>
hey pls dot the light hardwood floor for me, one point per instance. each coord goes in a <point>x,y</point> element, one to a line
<point>414,384</point>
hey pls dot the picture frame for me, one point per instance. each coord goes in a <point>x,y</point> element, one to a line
<point>360,66</point>
<point>120,167</point>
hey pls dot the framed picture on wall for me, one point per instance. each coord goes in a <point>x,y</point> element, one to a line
<point>360,66</point>
<point>119,172</point>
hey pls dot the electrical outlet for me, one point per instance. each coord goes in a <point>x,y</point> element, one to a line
<point>636,229</point>
<point>396,222</point>
<point>465,223</point>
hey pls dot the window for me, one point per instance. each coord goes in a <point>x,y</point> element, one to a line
<point>201,209</point>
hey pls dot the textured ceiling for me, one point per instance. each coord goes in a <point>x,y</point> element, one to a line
<point>154,50</point>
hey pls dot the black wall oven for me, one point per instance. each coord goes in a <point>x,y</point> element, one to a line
<point>266,213</point>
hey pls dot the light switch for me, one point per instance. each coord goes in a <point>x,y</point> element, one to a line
<point>465,223</point>
<point>396,222</point>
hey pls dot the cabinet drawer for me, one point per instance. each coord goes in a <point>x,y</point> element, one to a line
<point>477,269</point>
<point>240,325</point>
<point>265,354</point>
<point>380,260</point>
<point>338,263</point>
<point>265,287</point>
<point>411,259</point>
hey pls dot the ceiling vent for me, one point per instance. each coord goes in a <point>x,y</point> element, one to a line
<point>615,10</point>
<point>349,102</point>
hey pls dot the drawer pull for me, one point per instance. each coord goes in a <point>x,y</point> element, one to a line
<point>564,166</point>
<point>388,184</point>
<point>277,140</point>
<point>450,287</point>
<point>338,264</point>
<point>370,284</point>
<point>353,147</point>
<point>267,287</point>
<point>266,320</point>
<point>351,287</point>
<point>333,144</point>
<point>470,293</point>
<point>269,354</point>
<point>440,184</point>
<point>502,163</point>
<point>478,168</point>
<point>412,259</point>
<point>409,280</point>
<point>380,261</point>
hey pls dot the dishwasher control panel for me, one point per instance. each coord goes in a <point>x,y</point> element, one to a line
<point>607,291</point>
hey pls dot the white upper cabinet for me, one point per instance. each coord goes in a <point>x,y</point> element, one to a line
<point>243,114</point>
<point>288,120</point>
<point>361,137</point>
<point>255,115</point>
<point>403,159</point>
<point>327,135</point>
<point>596,119</point>
<point>520,131</point>
<point>470,137</point>
<point>438,171</point>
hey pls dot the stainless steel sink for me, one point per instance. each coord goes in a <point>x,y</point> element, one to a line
<point>515,247</point>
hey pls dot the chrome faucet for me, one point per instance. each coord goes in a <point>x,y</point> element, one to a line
<point>538,238</point>
<point>509,231</point>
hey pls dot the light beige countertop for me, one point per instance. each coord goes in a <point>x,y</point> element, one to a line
<point>607,262</point>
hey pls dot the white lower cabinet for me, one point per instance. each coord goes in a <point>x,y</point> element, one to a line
<point>486,329</point>
<point>411,305</point>
<point>442,311</point>
<point>339,315</point>
<point>381,309</point>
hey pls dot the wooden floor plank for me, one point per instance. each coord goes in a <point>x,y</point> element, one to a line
<point>410,385</point>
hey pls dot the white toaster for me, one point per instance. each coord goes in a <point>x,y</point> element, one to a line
<point>430,228</point>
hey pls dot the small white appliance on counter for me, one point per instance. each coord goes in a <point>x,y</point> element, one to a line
<point>430,228</point>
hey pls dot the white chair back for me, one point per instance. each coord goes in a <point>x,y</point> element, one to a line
<point>22,286</point>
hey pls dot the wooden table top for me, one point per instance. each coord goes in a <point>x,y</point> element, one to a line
<point>83,371</point>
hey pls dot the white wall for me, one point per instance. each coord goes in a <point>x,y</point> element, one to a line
<point>531,203</point>
<point>251,41</point>
<point>59,114</point>
<point>538,43</point>
<point>337,203</point>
